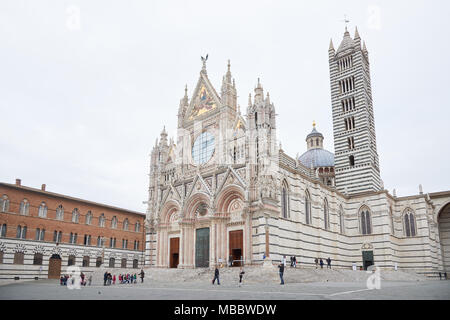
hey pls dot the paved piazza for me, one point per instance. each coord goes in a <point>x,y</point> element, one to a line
<point>390,290</point>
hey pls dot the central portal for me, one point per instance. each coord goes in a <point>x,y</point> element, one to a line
<point>202,248</point>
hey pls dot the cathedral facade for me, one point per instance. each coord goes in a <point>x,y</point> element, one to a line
<point>225,191</point>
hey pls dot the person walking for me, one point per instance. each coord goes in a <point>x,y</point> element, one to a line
<point>142,275</point>
<point>105,278</point>
<point>321,263</point>
<point>295,262</point>
<point>216,276</point>
<point>114,279</point>
<point>328,263</point>
<point>90,280</point>
<point>241,274</point>
<point>316,262</point>
<point>284,261</point>
<point>281,271</point>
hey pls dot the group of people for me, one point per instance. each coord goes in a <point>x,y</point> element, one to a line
<point>64,279</point>
<point>217,273</point>
<point>282,265</point>
<point>109,279</point>
<point>318,261</point>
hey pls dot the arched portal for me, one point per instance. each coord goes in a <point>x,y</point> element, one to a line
<point>54,267</point>
<point>444,235</point>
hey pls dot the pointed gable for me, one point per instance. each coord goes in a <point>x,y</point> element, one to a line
<point>204,99</point>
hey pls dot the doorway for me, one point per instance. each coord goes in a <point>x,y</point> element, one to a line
<point>236,249</point>
<point>202,248</point>
<point>54,267</point>
<point>367,259</point>
<point>174,252</point>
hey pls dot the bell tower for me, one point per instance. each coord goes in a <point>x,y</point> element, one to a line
<point>356,158</point>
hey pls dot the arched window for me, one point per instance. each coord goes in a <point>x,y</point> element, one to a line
<point>326,215</point>
<point>98,262</point>
<point>365,221</point>
<point>86,261</point>
<point>125,224</point>
<point>71,261</point>
<point>308,208</point>
<point>89,218</point>
<point>60,212</point>
<point>137,227</point>
<point>410,223</point>
<point>37,259</point>
<point>285,200</point>
<point>101,220</point>
<point>40,234</point>
<point>24,207</point>
<point>42,212</point>
<point>3,230</point>
<point>135,263</point>
<point>352,161</point>
<point>73,238</point>
<point>4,203</point>
<point>114,222</point>
<point>112,262</point>
<point>341,220</point>
<point>21,232</point>
<point>123,263</point>
<point>75,215</point>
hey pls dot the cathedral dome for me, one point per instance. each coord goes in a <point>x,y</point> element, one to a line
<point>317,158</point>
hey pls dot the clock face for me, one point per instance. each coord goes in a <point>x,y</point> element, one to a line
<point>203,148</point>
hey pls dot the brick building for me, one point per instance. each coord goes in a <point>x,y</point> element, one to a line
<point>41,233</point>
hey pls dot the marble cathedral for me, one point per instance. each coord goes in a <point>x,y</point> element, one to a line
<point>226,191</point>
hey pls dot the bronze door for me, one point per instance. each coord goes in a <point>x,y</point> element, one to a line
<point>202,248</point>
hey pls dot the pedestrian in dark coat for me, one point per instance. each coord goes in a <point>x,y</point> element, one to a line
<point>142,275</point>
<point>316,261</point>
<point>321,263</point>
<point>281,267</point>
<point>216,276</point>
<point>105,278</point>
<point>328,263</point>
<point>241,274</point>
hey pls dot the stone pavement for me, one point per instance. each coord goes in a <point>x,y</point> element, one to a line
<point>197,290</point>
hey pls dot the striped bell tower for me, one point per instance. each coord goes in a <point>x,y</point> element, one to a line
<point>356,159</point>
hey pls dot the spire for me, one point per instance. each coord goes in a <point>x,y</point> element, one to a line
<point>267,101</point>
<point>228,74</point>
<point>357,33</point>
<point>259,93</point>
<point>364,46</point>
<point>331,45</point>
<point>249,99</point>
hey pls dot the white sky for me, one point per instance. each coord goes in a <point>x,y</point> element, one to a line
<point>82,103</point>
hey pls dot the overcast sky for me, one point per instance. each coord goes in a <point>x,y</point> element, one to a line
<point>86,86</point>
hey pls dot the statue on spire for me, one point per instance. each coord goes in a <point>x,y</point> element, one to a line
<point>204,62</point>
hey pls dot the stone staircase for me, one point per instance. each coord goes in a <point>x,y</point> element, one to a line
<point>258,274</point>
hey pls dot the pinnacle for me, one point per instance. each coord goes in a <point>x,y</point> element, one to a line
<point>331,45</point>
<point>357,33</point>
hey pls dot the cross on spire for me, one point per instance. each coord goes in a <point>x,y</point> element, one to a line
<point>346,21</point>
